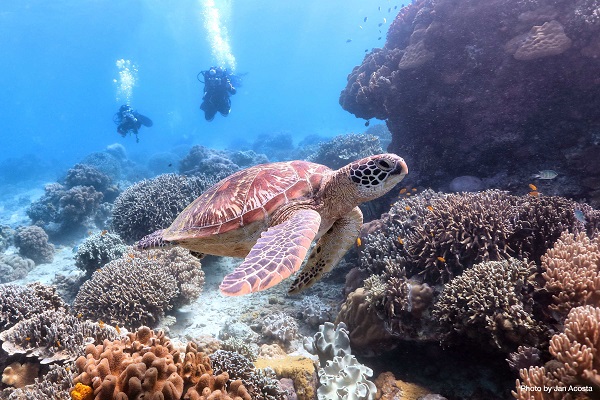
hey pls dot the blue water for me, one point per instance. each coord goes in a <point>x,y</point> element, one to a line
<point>58,71</point>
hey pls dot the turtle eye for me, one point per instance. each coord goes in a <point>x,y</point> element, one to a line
<point>384,165</point>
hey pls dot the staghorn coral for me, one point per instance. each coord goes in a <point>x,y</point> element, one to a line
<point>53,335</point>
<point>153,204</point>
<point>490,303</point>
<point>138,288</point>
<point>18,302</point>
<point>97,250</point>
<point>574,372</point>
<point>280,326</point>
<point>461,230</point>
<point>572,272</point>
<point>32,242</point>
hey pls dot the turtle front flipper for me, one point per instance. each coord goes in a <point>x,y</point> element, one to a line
<point>329,250</point>
<point>278,253</point>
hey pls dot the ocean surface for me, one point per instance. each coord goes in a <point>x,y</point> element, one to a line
<point>61,83</point>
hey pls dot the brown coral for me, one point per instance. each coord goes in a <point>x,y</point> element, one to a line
<point>142,364</point>
<point>19,375</point>
<point>491,303</point>
<point>572,272</point>
<point>546,40</point>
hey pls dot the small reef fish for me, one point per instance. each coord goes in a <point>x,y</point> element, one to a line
<point>367,123</point>
<point>348,41</point>
<point>358,242</point>
<point>430,208</point>
<point>390,9</point>
<point>170,164</point>
<point>365,20</point>
<point>441,259</point>
<point>118,329</point>
<point>534,193</point>
<point>403,190</point>
<point>104,232</point>
<point>413,190</point>
<point>545,174</point>
<point>366,50</point>
<point>400,240</point>
<point>379,38</point>
<point>580,216</point>
<point>407,208</point>
<point>384,20</point>
<point>532,186</point>
<point>381,23</point>
<point>379,8</point>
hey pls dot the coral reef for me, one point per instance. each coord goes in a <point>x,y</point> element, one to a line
<point>98,250</point>
<point>18,302</point>
<point>32,242</point>
<point>138,288</point>
<point>110,163</point>
<point>207,163</point>
<point>490,303</point>
<point>483,86</point>
<point>63,209</point>
<point>298,368</point>
<point>330,341</point>
<point>573,374</point>
<point>153,204</point>
<point>314,312</point>
<point>55,385</point>
<point>87,175</point>
<point>6,237</point>
<point>52,335</point>
<point>345,378</point>
<point>14,266</point>
<point>281,327</point>
<point>19,375</point>
<point>343,149</point>
<point>571,270</point>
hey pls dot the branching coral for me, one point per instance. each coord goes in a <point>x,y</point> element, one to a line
<point>572,272</point>
<point>18,303</point>
<point>577,362</point>
<point>32,242</point>
<point>280,326</point>
<point>490,303</point>
<point>153,204</point>
<point>138,288</point>
<point>53,335</point>
<point>98,250</point>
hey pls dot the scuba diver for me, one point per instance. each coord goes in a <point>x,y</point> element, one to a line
<point>130,121</point>
<point>217,88</point>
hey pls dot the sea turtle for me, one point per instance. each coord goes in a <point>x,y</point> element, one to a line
<point>271,213</point>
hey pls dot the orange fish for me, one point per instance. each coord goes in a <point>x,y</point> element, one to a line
<point>28,338</point>
<point>414,189</point>
<point>441,259</point>
<point>79,315</point>
<point>407,208</point>
<point>534,193</point>
<point>400,240</point>
<point>358,242</point>
<point>407,194</point>
<point>131,255</point>
<point>58,344</point>
<point>532,187</point>
<point>104,232</point>
<point>403,190</point>
<point>430,208</point>
<point>118,329</point>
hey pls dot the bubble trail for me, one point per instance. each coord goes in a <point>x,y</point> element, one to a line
<point>217,33</point>
<point>126,81</point>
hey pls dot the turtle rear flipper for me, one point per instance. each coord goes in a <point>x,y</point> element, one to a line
<point>278,253</point>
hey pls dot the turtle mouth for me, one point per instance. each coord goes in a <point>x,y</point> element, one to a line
<point>400,168</point>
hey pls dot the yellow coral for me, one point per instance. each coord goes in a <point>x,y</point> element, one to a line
<point>300,369</point>
<point>82,392</point>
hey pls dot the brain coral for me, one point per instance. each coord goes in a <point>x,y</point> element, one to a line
<point>32,242</point>
<point>97,250</point>
<point>490,303</point>
<point>138,288</point>
<point>153,204</point>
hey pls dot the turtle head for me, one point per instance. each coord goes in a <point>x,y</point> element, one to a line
<point>376,175</point>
